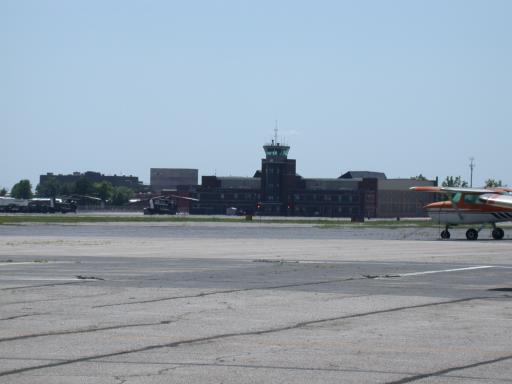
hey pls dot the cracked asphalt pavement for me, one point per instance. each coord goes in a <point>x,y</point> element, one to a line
<point>255,303</point>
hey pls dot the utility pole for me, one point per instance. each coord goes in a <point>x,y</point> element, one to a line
<point>471,167</point>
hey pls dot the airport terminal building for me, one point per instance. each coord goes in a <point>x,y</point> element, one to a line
<point>277,190</point>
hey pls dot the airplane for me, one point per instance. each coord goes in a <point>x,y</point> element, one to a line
<point>470,206</point>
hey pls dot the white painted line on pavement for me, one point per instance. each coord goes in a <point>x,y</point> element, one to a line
<point>445,270</point>
<point>34,262</point>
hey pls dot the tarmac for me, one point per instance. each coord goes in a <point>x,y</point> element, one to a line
<point>252,303</point>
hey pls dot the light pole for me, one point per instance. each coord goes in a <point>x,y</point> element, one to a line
<point>471,166</point>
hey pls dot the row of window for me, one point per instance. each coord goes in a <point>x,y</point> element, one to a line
<point>346,199</point>
<point>229,196</point>
<point>352,198</point>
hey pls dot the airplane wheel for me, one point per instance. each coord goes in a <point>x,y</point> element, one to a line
<point>498,233</point>
<point>472,234</point>
<point>445,234</point>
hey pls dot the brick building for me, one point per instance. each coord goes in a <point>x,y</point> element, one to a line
<point>277,190</point>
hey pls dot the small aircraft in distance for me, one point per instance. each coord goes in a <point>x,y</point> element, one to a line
<point>470,206</point>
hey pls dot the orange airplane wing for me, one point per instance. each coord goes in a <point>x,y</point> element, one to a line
<point>504,201</point>
<point>426,189</point>
<point>453,190</point>
<point>502,190</point>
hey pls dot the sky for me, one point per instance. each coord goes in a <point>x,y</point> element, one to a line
<point>119,87</point>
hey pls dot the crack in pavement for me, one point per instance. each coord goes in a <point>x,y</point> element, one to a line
<point>121,379</point>
<point>302,324</point>
<point>57,299</point>
<point>89,330</point>
<point>45,285</point>
<point>278,367</point>
<point>20,316</point>
<point>292,285</point>
<point>202,294</point>
<point>449,370</point>
<point>480,378</point>
<point>158,373</point>
<point>249,366</point>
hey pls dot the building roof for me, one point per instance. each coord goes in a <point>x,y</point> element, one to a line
<point>402,184</point>
<point>363,175</point>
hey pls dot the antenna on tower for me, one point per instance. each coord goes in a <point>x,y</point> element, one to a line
<point>275,133</point>
<point>471,167</point>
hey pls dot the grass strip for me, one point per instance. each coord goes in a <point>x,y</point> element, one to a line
<point>78,219</point>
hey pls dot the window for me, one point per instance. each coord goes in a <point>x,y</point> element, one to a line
<point>456,197</point>
<point>471,199</point>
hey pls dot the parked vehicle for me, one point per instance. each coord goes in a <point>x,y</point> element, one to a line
<point>37,205</point>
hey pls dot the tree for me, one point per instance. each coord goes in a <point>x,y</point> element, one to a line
<point>121,195</point>
<point>104,190</point>
<point>66,189</point>
<point>3,192</point>
<point>491,183</point>
<point>83,187</point>
<point>49,188</point>
<point>22,190</point>
<point>451,181</point>
<point>420,177</point>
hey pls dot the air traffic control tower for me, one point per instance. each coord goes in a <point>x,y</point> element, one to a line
<point>278,178</point>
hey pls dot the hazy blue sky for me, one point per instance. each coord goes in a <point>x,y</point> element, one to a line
<point>402,87</point>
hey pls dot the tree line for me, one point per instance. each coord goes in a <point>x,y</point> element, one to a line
<point>458,182</point>
<point>52,188</point>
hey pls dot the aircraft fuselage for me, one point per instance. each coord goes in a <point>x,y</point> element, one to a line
<point>467,209</point>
